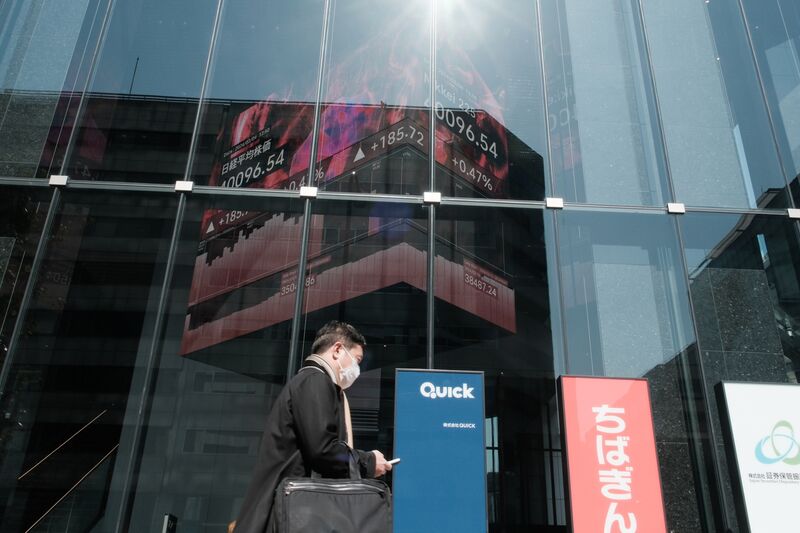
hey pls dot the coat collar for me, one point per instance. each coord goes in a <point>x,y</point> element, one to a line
<point>316,360</point>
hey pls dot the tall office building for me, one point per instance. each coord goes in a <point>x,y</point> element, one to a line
<point>153,303</point>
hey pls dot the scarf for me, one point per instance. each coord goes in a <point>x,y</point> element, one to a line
<point>348,424</point>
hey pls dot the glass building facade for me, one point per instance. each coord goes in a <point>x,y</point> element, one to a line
<point>147,328</point>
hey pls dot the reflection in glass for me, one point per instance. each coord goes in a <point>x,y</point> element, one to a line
<point>34,71</point>
<point>626,311</point>
<point>493,313</point>
<point>755,142</point>
<point>72,371</point>
<point>258,111</point>
<point>367,265</point>
<point>626,304</point>
<point>490,118</point>
<point>221,363</point>
<point>745,285</point>
<point>715,128</point>
<point>22,214</point>
<point>140,108</point>
<point>603,128</point>
<point>374,122</point>
<point>775,33</point>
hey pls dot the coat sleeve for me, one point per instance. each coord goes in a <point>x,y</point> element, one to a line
<point>315,411</point>
<point>366,463</point>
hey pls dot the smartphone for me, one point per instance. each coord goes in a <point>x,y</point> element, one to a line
<point>394,461</point>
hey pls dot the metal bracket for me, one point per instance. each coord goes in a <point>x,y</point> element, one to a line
<point>58,181</point>
<point>554,203</point>
<point>676,208</point>
<point>184,186</point>
<point>308,192</point>
<point>431,198</point>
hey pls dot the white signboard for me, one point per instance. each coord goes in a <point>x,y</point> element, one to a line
<point>765,425</point>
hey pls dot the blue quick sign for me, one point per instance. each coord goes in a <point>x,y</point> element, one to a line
<point>440,483</point>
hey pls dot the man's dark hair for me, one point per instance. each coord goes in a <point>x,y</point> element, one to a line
<point>335,331</point>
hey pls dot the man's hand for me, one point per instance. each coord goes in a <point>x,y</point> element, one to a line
<point>381,466</point>
<point>231,526</point>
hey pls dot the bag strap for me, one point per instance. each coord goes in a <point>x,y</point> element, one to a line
<point>311,368</point>
<point>348,421</point>
<point>355,470</point>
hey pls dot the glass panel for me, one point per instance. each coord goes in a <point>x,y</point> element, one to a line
<point>367,265</point>
<point>495,305</point>
<point>603,130</point>
<point>40,42</point>
<point>745,284</point>
<point>755,143</point>
<point>491,129</point>
<point>221,363</point>
<point>259,108</point>
<point>775,32</point>
<point>374,127</point>
<point>71,374</point>
<point>141,105</point>
<point>715,125</point>
<point>626,300</point>
<point>626,308</point>
<point>22,214</point>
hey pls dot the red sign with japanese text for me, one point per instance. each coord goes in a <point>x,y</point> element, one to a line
<point>612,468</point>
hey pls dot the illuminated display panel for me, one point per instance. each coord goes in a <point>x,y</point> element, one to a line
<point>374,136</point>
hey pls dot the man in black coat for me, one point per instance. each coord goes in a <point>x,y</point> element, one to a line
<point>309,428</point>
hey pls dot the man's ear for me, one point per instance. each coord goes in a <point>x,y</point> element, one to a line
<point>333,347</point>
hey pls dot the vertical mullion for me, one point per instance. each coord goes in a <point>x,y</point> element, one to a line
<point>550,168</point>
<point>561,299</point>
<point>694,419</point>
<point>323,52</point>
<point>430,284</point>
<point>432,109</point>
<point>771,119</point>
<point>198,117</point>
<point>294,342</point>
<point>431,301</point>
<point>145,401</point>
<point>651,75</point>
<point>27,295</point>
<point>89,78</point>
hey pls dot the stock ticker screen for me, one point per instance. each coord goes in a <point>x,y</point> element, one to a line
<point>245,270</point>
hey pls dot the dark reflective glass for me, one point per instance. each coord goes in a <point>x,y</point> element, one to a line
<point>715,125</point>
<point>42,47</point>
<point>367,266</point>
<point>495,308</point>
<point>775,34</point>
<point>626,310</point>
<point>22,214</point>
<point>258,111</point>
<point>745,282</point>
<point>70,378</point>
<point>374,122</point>
<point>140,108</point>
<point>491,131</point>
<point>221,363</point>
<point>604,136</point>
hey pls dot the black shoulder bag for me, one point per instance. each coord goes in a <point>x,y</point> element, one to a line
<point>319,505</point>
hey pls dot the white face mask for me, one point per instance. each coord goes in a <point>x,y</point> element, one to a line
<point>347,376</point>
